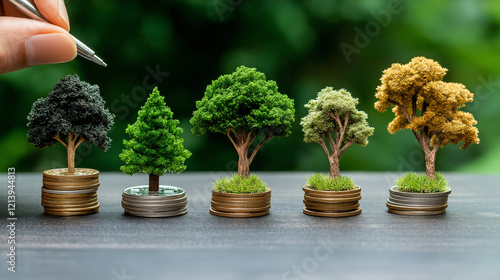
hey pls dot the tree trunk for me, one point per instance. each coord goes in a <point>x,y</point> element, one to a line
<point>334,166</point>
<point>71,156</point>
<point>154,183</point>
<point>243,163</point>
<point>430,162</point>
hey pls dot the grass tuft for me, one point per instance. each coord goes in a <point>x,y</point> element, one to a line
<point>420,183</point>
<point>237,184</point>
<point>321,182</point>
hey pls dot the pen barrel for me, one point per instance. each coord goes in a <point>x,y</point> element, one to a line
<point>27,8</point>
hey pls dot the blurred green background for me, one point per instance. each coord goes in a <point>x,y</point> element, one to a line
<point>297,44</point>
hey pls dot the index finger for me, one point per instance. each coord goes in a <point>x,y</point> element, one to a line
<point>53,10</point>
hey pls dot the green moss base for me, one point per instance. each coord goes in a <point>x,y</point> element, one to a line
<point>420,183</point>
<point>321,182</point>
<point>237,184</point>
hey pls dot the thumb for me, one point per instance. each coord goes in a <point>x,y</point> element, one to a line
<point>25,42</point>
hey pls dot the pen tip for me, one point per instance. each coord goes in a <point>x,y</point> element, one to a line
<point>99,61</point>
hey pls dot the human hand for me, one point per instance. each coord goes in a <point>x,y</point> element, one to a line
<point>26,42</point>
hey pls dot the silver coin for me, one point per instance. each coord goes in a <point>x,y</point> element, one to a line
<point>394,190</point>
<point>417,201</point>
<point>163,214</point>
<point>45,190</point>
<point>154,207</point>
<point>164,192</point>
<point>147,199</point>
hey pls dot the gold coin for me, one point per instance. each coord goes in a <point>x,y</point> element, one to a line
<point>73,209</point>
<point>241,210</point>
<point>72,213</point>
<point>329,207</point>
<point>332,214</point>
<point>267,193</point>
<point>238,215</point>
<point>70,206</point>
<point>69,202</point>
<point>68,192</point>
<point>81,173</point>
<point>69,187</point>
<point>417,213</point>
<point>242,204</point>
<point>349,193</point>
<point>331,200</point>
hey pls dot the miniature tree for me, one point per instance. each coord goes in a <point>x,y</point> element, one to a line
<point>333,116</point>
<point>155,146</point>
<point>72,114</point>
<point>427,106</point>
<point>244,106</point>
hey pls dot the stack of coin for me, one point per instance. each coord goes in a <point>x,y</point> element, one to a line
<point>331,203</point>
<point>167,202</point>
<point>70,195</point>
<point>417,204</point>
<point>245,205</point>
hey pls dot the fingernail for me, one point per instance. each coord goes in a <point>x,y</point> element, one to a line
<point>63,13</point>
<point>49,48</point>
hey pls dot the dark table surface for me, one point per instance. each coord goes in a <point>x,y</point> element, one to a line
<point>464,243</point>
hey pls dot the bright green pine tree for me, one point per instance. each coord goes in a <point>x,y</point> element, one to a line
<point>155,146</point>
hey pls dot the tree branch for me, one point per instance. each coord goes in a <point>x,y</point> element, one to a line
<point>414,106</point>
<point>228,133</point>
<point>342,132</point>
<point>58,138</point>
<point>323,145</point>
<point>268,136</point>
<point>335,117</point>
<point>419,138</point>
<point>405,112</point>
<point>349,143</point>
<point>330,141</point>
<point>394,102</point>
<point>80,141</point>
<point>437,145</point>
<point>249,140</point>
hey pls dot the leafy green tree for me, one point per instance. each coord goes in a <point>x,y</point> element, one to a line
<point>244,106</point>
<point>72,114</point>
<point>427,106</point>
<point>155,146</point>
<point>333,116</point>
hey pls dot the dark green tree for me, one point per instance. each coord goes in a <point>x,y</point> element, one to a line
<point>155,146</point>
<point>244,106</point>
<point>72,114</point>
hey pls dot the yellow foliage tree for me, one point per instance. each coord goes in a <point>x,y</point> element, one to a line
<point>427,106</point>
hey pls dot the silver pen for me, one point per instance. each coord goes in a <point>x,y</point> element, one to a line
<point>27,8</point>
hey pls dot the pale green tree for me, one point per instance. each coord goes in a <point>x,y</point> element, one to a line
<point>334,121</point>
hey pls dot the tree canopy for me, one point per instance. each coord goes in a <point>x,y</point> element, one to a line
<point>427,106</point>
<point>244,105</point>
<point>73,113</point>
<point>155,146</point>
<point>334,112</point>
